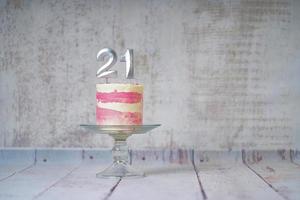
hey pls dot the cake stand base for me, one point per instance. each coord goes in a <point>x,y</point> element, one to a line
<point>120,166</point>
<point>120,169</point>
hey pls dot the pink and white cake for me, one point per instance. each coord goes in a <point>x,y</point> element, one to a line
<point>119,104</point>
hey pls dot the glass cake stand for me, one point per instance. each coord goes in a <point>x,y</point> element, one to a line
<point>120,166</point>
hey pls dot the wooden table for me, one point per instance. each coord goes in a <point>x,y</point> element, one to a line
<point>171,174</point>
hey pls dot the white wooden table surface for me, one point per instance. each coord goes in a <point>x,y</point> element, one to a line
<point>177,174</point>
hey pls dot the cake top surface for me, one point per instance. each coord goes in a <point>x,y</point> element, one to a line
<point>109,87</point>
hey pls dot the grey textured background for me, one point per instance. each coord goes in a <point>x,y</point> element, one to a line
<point>217,74</point>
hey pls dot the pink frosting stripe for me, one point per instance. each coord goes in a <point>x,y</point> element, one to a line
<point>109,117</point>
<point>119,97</point>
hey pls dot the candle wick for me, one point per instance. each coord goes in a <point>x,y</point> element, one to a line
<point>106,80</point>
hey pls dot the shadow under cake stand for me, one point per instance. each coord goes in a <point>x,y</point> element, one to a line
<point>120,166</point>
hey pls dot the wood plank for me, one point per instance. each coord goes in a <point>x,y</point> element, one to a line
<point>164,183</point>
<point>13,161</point>
<point>34,181</point>
<point>82,183</point>
<point>31,182</point>
<point>71,174</point>
<point>169,175</point>
<point>153,162</point>
<point>9,170</point>
<point>223,176</point>
<point>277,169</point>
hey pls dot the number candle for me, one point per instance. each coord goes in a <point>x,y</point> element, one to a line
<point>128,59</point>
<point>104,72</point>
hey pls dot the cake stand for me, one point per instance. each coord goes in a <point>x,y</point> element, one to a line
<point>120,166</point>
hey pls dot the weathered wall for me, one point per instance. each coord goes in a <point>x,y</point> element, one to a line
<point>217,74</point>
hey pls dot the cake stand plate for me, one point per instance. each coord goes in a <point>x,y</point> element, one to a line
<point>120,166</point>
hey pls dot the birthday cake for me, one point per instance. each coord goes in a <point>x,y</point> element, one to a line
<point>119,104</point>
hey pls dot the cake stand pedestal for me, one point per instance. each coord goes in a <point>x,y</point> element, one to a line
<point>120,166</point>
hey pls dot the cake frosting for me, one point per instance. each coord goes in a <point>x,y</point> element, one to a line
<point>119,104</point>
